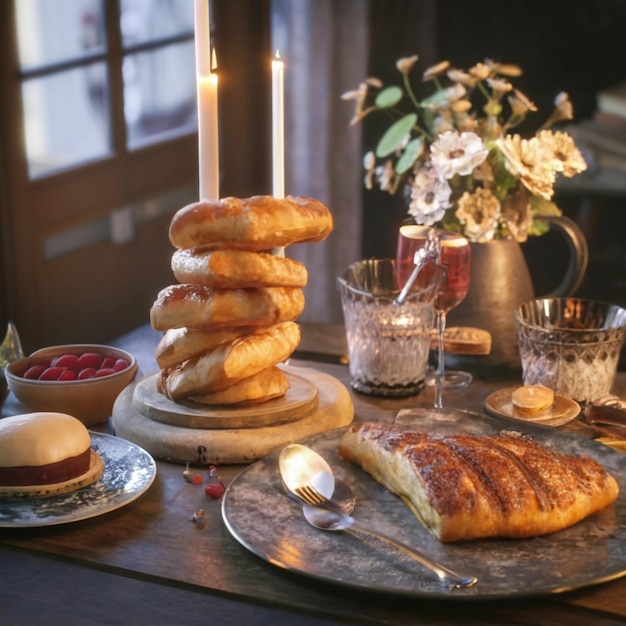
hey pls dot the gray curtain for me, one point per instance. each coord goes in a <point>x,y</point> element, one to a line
<point>324,44</point>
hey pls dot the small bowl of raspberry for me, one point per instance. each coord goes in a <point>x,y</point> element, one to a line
<point>82,380</point>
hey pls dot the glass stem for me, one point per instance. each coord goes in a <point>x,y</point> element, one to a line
<point>439,372</point>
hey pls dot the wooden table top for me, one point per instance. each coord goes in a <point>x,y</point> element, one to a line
<point>149,563</point>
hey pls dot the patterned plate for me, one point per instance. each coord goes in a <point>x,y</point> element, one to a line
<point>128,472</point>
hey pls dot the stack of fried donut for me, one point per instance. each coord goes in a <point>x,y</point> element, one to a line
<point>230,319</point>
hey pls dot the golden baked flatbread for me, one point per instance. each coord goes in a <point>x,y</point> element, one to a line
<point>266,385</point>
<point>179,344</point>
<point>229,363</point>
<point>236,269</point>
<point>256,223</point>
<point>197,306</point>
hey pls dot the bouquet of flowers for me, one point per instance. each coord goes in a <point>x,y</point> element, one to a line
<point>454,153</point>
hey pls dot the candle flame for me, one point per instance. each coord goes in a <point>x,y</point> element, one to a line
<point>213,60</point>
<point>277,55</point>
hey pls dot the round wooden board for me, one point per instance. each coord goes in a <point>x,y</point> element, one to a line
<point>301,398</point>
<point>96,468</point>
<point>334,409</point>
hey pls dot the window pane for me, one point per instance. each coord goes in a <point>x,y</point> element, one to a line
<point>66,118</point>
<point>159,91</point>
<point>54,31</point>
<point>144,20</point>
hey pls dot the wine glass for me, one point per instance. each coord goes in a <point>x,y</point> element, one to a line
<point>454,255</point>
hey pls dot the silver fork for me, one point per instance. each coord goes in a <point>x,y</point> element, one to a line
<point>309,495</point>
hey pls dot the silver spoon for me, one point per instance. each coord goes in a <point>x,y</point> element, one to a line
<point>300,467</point>
<point>420,260</point>
<point>428,252</point>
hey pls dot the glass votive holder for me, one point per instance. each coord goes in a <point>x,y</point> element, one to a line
<point>388,342</point>
<point>570,345</point>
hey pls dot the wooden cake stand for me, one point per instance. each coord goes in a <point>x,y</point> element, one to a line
<point>188,432</point>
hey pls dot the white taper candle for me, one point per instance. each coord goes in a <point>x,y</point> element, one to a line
<point>208,135</point>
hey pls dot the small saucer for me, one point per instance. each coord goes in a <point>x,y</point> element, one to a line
<point>562,411</point>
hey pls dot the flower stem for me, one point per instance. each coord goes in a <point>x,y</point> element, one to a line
<point>409,91</point>
<point>483,90</point>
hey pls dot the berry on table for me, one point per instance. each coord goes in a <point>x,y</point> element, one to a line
<point>215,487</point>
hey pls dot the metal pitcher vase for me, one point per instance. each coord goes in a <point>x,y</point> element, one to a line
<point>500,281</point>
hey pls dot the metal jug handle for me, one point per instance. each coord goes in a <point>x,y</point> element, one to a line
<point>579,255</point>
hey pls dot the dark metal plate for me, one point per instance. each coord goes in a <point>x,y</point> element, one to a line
<point>263,519</point>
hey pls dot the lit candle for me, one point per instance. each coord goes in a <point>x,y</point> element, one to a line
<point>278,127</point>
<point>278,133</point>
<point>208,138</point>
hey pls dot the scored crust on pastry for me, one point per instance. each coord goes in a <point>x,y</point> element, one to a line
<point>256,223</point>
<point>236,269</point>
<point>470,486</point>
<point>267,384</point>
<point>198,306</point>
<point>229,363</point>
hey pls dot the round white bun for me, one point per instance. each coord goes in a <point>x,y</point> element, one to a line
<point>34,439</point>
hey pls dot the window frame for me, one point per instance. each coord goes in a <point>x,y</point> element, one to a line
<point>33,209</point>
<point>48,203</point>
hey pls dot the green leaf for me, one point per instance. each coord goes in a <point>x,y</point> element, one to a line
<point>541,206</point>
<point>395,135</point>
<point>410,154</point>
<point>388,97</point>
<point>504,180</point>
<point>437,98</point>
<point>538,228</point>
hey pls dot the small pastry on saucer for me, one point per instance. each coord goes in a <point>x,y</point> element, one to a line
<point>531,400</point>
<point>44,454</point>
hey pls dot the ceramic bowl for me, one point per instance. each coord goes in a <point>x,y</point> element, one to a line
<point>90,400</point>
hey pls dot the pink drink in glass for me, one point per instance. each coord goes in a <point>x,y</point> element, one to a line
<point>455,257</point>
